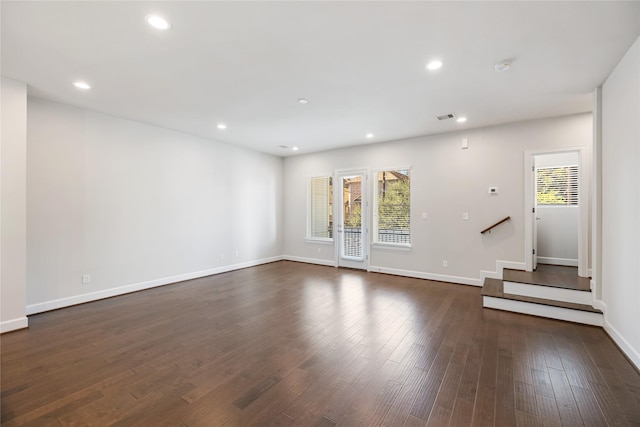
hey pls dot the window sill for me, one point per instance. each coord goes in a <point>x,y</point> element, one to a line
<point>320,241</point>
<point>391,246</point>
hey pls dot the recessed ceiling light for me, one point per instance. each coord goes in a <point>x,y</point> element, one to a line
<point>303,101</point>
<point>434,65</point>
<point>82,85</point>
<point>157,22</point>
<point>502,66</point>
<point>369,135</point>
<point>221,126</point>
<point>294,148</point>
<point>461,119</point>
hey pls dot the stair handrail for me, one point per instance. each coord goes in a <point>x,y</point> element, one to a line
<point>495,225</point>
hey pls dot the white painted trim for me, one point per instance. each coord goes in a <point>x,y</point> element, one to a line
<point>500,266</point>
<point>590,272</point>
<point>112,292</point>
<point>14,324</point>
<point>632,354</point>
<point>559,313</point>
<point>557,261</point>
<point>317,261</point>
<point>600,305</point>
<point>427,276</point>
<point>319,241</point>
<point>548,292</point>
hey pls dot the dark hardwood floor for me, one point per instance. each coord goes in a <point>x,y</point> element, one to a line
<point>550,275</point>
<point>289,343</point>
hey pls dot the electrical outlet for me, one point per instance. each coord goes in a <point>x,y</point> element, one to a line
<point>236,254</point>
<point>86,279</point>
<point>445,264</point>
<point>319,250</point>
<point>465,216</point>
<point>221,256</point>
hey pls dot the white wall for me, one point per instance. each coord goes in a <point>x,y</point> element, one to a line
<point>621,203</point>
<point>13,252</point>
<point>445,182</point>
<point>136,206</point>
<point>558,225</point>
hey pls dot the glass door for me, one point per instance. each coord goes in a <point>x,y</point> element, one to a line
<point>351,194</point>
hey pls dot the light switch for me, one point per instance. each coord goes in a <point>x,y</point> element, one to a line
<point>465,216</point>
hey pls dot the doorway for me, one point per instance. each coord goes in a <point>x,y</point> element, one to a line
<point>350,194</point>
<point>556,209</point>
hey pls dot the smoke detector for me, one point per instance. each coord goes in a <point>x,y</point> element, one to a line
<point>502,66</point>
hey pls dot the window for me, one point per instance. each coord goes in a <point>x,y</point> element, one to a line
<point>557,186</point>
<point>320,222</point>
<point>392,207</point>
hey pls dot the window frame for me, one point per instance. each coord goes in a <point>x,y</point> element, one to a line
<point>309,237</point>
<point>375,213</point>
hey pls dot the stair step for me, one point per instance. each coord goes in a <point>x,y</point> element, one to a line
<point>548,293</point>
<point>493,296</point>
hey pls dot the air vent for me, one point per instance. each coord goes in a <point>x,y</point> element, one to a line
<point>445,117</point>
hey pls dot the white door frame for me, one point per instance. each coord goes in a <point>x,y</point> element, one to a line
<point>338,213</point>
<point>584,203</point>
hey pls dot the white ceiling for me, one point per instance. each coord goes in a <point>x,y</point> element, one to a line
<point>360,64</point>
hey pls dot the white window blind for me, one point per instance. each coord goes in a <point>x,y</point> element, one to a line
<point>321,223</point>
<point>557,186</point>
<point>393,207</point>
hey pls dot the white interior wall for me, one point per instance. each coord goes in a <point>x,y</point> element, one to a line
<point>445,182</point>
<point>621,203</point>
<point>13,175</point>
<point>136,206</point>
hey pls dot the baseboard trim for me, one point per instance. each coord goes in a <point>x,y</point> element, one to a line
<point>14,324</point>
<point>558,261</point>
<point>500,266</point>
<point>427,276</point>
<point>112,292</point>
<point>329,263</point>
<point>623,344</point>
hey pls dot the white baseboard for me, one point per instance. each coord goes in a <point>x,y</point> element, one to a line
<point>428,276</point>
<point>14,324</point>
<point>500,266</point>
<point>558,261</point>
<point>599,304</point>
<point>632,354</point>
<point>112,292</point>
<point>317,261</point>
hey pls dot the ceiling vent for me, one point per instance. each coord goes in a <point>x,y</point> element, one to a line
<point>445,117</point>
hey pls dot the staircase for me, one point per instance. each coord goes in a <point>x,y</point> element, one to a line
<point>553,292</point>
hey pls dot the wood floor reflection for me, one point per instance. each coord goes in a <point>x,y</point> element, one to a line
<point>296,344</point>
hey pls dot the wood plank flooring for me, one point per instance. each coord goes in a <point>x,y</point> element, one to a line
<point>550,275</point>
<point>296,344</point>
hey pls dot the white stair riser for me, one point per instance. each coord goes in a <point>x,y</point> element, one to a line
<point>585,317</point>
<point>548,292</point>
